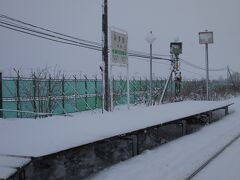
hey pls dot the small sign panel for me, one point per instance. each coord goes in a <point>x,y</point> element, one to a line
<point>206,37</point>
<point>119,50</point>
<point>176,48</point>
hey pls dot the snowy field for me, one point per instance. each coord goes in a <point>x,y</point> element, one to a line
<point>39,137</point>
<point>179,158</point>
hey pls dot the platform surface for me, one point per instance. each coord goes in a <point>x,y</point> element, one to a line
<point>9,165</point>
<point>180,158</point>
<point>39,137</point>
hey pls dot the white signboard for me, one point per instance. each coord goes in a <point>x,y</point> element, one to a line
<point>119,48</point>
<point>206,37</point>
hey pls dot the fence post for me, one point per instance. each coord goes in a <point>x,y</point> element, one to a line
<point>96,92</point>
<point>113,90</point>
<point>63,94</point>
<point>140,84</point>
<point>49,95</point>
<point>146,85</point>
<point>146,92</point>
<point>18,95</point>
<point>40,104</point>
<point>120,94</point>
<point>75,94</point>
<point>86,91</point>
<point>34,93</point>
<point>134,90</point>
<point>140,91</point>
<point>159,87</point>
<point>1,96</point>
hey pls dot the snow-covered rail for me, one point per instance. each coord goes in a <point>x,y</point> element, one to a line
<point>213,157</point>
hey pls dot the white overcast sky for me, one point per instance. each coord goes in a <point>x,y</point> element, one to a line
<point>82,18</point>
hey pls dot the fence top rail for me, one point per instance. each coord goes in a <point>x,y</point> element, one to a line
<point>47,79</point>
<point>34,113</point>
<point>94,79</point>
<point>77,79</point>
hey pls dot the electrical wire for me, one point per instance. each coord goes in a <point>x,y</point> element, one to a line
<point>59,41</point>
<point>42,34</point>
<point>13,24</point>
<point>201,75</point>
<point>34,26</point>
<point>201,68</point>
<point>154,61</point>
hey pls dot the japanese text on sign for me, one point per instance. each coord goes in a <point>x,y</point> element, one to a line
<point>119,50</point>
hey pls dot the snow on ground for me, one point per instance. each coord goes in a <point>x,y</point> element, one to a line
<point>179,158</point>
<point>226,166</point>
<point>38,137</point>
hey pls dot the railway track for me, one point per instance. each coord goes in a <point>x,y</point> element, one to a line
<point>212,157</point>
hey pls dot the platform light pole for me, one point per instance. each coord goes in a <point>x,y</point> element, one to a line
<point>150,39</point>
<point>206,38</point>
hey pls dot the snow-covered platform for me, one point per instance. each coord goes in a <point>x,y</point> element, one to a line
<point>10,164</point>
<point>180,158</point>
<point>24,139</point>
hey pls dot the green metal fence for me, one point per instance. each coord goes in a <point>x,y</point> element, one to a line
<point>29,97</point>
<point>34,97</point>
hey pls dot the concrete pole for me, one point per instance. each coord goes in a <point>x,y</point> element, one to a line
<point>150,84</point>
<point>150,39</point>
<point>207,73</point>
<point>128,88</point>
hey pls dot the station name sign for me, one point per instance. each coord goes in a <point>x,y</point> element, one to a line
<point>119,48</point>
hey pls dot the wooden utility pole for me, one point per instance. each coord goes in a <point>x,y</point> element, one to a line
<point>105,56</point>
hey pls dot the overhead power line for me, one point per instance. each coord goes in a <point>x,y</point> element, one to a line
<point>201,75</point>
<point>38,27</point>
<point>155,61</point>
<point>36,35</point>
<point>43,34</point>
<point>201,68</point>
<point>40,32</point>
